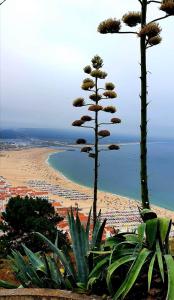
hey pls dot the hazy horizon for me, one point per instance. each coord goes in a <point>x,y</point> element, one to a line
<point>45,47</point>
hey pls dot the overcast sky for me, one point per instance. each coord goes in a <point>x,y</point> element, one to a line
<point>46,43</point>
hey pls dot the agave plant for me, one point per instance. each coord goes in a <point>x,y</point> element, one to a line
<point>39,270</point>
<point>143,253</point>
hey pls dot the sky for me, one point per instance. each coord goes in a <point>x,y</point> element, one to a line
<point>44,48</point>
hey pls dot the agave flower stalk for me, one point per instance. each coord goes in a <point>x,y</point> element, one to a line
<point>92,86</point>
<point>149,34</point>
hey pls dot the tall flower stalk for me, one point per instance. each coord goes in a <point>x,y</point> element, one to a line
<point>97,94</point>
<point>149,34</point>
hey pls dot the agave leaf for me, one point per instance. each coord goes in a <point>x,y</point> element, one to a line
<point>150,271</point>
<point>7,285</point>
<point>132,237</point>
<point>151,232</point>
<point>55,273</point>
<point>97,268</point>
<point>114,266</point>
<point>141,232</point>
<point>69,269</point>
<point>112,242</point>
<point>170,271</point>
<point>160,260</point>
<point>19,266</point>
<point>164,225</point>
<point>91,281</point>
<point>133,274</point>
<point>100,234</point>
<point>68,284</point>
<point>35,261</point>
<point>88,224</point>
<point>78,236</point>
<point>26,272</point>
<point>100,252</point>
<point>97,234</point>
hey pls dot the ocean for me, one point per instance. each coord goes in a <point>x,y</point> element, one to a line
<point>119,171</point>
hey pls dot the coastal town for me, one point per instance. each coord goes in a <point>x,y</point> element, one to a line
<point>25,172</point>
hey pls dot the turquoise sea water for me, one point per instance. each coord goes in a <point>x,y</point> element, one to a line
<point>119,171</point>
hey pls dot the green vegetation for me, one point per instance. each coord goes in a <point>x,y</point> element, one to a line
<point>139,262</point>
<point>21,218</point>
<point>66,269</point>
<point>149,35</point>
<point>126,266</point>
<point>97,95</point>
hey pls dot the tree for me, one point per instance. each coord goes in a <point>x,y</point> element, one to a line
<point>97,95</point>
<point>22,217</point>
<point>149,34</point>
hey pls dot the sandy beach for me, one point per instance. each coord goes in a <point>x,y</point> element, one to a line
<point>21,166</point>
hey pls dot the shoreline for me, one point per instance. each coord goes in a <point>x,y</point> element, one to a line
<point>18,167</point>
<point>138,202</point>
<point>86,186</point>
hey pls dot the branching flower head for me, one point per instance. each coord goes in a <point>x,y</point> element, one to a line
<point>97,62</point>
<point>113,147</point>
<point>115,120</point>
<point>86,149</point>
<point>168,6</point>
<point>98,74</point>
<point>87,69</point>
<point>95,97</point>
<point>110,94</point>
<point>81,141</point>
<point>132,19</point>
<point>151,30</point>
<point>109,86</point>
<point>155,40</point>
<point>109,26</point>
<point>77,123</point>
<point>86,118</point>
<point>87,84</point>
<point>104,133</point>
<point>79,102</point>
<point>110,109</point>
<point>95,107</point>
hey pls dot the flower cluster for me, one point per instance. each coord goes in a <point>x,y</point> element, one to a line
<point>110,109</point>
<point>104,133</point>
<point>110,94</point>
<point>81,141</point>
<point>113,147</point>
<point>132,19</point>
<point>109,86</point>
<point>79,102</point>
<point>168,6</point>
<point>87,84</point>
<point>98,74</point>
<point>95,107</point>
<point>150,30</point>
<point>77,123</point>
<point>109,26</point>
<point>86,118</point>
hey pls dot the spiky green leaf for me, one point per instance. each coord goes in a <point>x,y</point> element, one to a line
<point>132,275</point>
<point>150,271</point>
<point>170,271</point>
